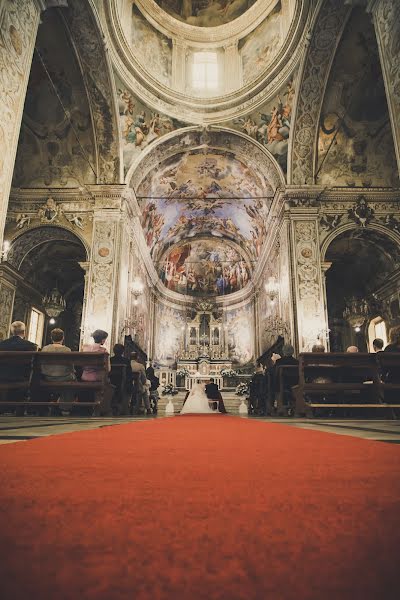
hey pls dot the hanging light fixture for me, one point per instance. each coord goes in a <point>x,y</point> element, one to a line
<point>54,303</point>
<point>356,312</point>
<point>137,289</point>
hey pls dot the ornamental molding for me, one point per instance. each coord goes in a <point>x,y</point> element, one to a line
<point>205,110</point>
<point>326,34</point>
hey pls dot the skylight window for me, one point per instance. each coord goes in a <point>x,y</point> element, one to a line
<point>205,71</point>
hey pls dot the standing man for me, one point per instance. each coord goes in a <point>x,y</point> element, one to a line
<point>16,343</point>
<point>139,385</point>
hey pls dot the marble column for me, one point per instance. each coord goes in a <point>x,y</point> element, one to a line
<point>386,17</point>
<point>308,281</point>
<point>19,20</point>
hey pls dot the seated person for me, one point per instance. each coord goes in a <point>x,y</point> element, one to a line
<point>213,393</point>
<point>378,344</point>
<point>154,385</point>
<point>139,385</point>
<point>121,396</point>
<point>12,373</point>
<point>258,392</point>
<point>289,381</point>
<point>59,372</point>
<point>92,373</point>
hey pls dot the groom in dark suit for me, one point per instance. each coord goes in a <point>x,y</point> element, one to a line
<point>213,393</point>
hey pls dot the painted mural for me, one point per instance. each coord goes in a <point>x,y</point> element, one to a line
<point>271,125</point>
<point>151,48</point>
<point>48,151</point>
<point>355,145</point>
<point>240,324</point>
<point>206,13</point>
<point>139,125</point>
<point>204,267</point>
<point>170,324</point>
<point>261,46</point>
<point>195,193</point>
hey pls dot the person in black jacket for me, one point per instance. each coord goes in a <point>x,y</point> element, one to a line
<point>121,394</point>
<point>10,372</point>
<point>258,392</point>
<point>213,393</point>
<point>154,385</point>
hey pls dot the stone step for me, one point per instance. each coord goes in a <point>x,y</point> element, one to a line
<point>231,401</point>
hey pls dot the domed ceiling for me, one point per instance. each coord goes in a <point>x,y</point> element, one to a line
<point>205,13</point>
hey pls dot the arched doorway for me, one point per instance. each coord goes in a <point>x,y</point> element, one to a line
<point>362,262</point>
<point>47,259</point>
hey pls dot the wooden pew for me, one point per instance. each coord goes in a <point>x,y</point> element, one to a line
<point>35,390</point>
<point>287,376</point>
<point>326,380</point>
<point>18,367</point>
<point>389,366</point>
<point>40,386</point>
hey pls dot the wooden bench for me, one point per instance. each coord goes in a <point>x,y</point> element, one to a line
<point>36,386</point>
<point>334,377</point>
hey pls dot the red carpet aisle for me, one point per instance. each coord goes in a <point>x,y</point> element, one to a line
<point>199,507</point>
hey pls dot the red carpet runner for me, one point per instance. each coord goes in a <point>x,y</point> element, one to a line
<point>199,507</point>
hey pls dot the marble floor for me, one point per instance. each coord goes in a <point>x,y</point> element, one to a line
<point>18,429</point>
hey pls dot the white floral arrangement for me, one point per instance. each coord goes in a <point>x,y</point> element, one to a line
<point>242,389</point>
<point>228,373</point>
<point>183,373</point>
<point>169,390</point>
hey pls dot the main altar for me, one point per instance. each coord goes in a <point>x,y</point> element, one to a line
<point>204,352</point>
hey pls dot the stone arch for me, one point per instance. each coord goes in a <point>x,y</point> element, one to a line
<point>327,31</point>
<point>24,243</point>
<point>381,229</point>
<point>86,33</point>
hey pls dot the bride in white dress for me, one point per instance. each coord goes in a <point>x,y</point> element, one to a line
<point>197,401</point>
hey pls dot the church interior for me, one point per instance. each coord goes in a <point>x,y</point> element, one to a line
<point>209,183</point>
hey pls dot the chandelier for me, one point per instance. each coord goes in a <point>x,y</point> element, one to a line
<point>54,303</point>
<point>272,289</point>
<point>137,289</point>
<point>356,312</point>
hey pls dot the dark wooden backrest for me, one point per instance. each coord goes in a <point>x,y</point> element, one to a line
<point>10,360</point>
<point>388,359</point>
<point>343,362</point>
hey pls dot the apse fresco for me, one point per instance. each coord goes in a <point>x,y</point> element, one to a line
<point>240,324</point>
<point>204,267</point>
<point>355,145</point>
<point>261,46</point>
<point>152,48</point>
<point>270,125</point>
<point>196,193</point>
<point>206,13</point>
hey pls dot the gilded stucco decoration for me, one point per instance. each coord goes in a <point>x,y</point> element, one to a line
<point>323,40</point>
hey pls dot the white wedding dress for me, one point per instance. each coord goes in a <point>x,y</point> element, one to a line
<point>197,402</point>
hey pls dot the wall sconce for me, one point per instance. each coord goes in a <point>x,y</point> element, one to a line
<point>272,289</point>
<point>5,250</point>
<point>137,289</point>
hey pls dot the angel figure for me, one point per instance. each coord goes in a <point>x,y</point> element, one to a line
<point>22,219</point>
<point>76,220</point>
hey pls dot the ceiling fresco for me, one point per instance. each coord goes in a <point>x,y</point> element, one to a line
<point>355,145</point>
<point>193,194</point>
<point>48,150</point>
<point>206,13</point>
<point>204,267</point>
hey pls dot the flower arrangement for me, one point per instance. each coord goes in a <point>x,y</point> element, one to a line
<point>183,372</point>
<point>242,389</point>
<point>169,390</point>
<point>228,373</point>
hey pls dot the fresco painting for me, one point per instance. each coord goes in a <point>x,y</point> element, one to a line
<point>151,48</point>
<point>169,337</point>
<point>271,124</point>
<point>139,125</point>
<point>355,144</point>
<point>240,324</point>
<point>206,13</point>
<point>193,194</point>
<point>204,268</point>
<point>261,46</point>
